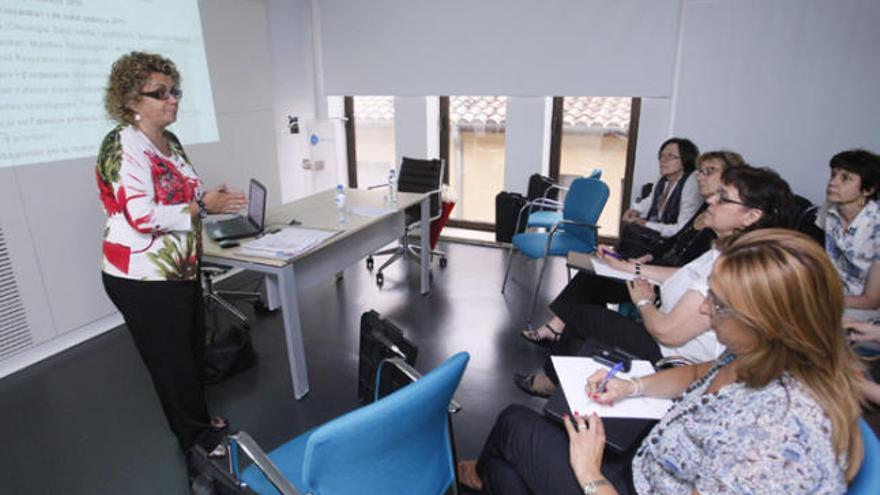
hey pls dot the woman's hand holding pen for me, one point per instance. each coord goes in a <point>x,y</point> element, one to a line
<point>608,255</point>
<point>222,199</point>
<point>614,389</point>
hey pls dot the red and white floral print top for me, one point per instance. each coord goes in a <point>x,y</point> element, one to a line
<point>149,234</point>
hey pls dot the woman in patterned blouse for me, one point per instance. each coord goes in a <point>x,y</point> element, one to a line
<point>851,221</point>
<point>153,201</point>
<point>777,414</point>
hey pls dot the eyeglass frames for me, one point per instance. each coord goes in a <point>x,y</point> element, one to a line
<point>164,93</point>
<point>721,194</point>
<point>717,307</point>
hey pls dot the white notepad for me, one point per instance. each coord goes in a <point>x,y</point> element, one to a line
<point>605,270</point>
<point>573,373</point>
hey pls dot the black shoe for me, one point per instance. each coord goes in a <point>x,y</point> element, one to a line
<point>526,383</point>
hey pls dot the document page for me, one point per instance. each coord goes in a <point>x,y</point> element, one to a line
<point>605,270</point>
<point>573,373</point>
<point>286,243</point>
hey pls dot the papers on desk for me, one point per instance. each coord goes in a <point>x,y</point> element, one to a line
<point>573,373</point>
<point>286,243</point>
<point>371,211</point>
<point>605,270</point>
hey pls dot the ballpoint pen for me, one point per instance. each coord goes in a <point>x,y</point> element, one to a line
<point>613,371</point>
<point>612,254</point>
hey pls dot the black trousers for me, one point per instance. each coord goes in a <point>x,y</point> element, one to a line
<point>527,454</point>
<point>588,288</point>
<point>607,327</point>
<point>165,319</point>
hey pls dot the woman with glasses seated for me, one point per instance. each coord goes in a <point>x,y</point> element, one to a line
<point>154,203</point>
<point>748,199</point>
<point>851,221</point>
<point>694,239</point>
<point>777,413</point>
<point>675,198</point>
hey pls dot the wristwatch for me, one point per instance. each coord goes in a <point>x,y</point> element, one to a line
<point>593,486</point>
<point>203,210</point>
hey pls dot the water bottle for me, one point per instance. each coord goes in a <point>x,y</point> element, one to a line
<point>392,185</point>
<point>340,202</point>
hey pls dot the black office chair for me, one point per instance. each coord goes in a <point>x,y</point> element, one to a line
<point>214,297</point>
<point>417,176</point>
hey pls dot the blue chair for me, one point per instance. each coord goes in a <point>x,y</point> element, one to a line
<point>577,231</point>
<point>400,444</point>
<point>550,210</point>
<point>867,481</point>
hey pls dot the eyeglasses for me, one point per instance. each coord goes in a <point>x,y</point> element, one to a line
<point>717,307</point>
<point>668,156</point>
<point>707,171</point>
<point>164,93</point>
<point>721,194</point>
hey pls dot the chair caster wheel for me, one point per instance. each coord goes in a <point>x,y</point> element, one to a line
<point>443,262</point>
<point>380,279</point>
<point>369,262</point>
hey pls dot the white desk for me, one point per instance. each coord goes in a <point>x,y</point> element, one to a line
<point>359,236</point>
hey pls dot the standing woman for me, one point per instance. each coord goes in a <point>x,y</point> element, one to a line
<point>154,203</point>
<point>851,221</point>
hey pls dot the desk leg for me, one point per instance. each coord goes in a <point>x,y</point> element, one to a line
<point>296,356</point>
<point>425,241</point>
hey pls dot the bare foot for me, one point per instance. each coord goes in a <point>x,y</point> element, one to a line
<point>467,475</point>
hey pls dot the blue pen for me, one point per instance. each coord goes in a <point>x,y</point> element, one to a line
<point>612,254</point>
<point>613,371</point>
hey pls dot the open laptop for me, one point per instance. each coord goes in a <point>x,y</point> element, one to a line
<point>243,226</point>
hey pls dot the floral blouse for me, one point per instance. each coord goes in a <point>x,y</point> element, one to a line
<point>855,248</point>
<point>149,233</point>
<point>775,439</point>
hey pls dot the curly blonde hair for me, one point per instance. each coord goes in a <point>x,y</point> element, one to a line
<point>127,78</point>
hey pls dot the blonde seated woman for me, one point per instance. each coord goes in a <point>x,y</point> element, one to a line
<point>777,413</point>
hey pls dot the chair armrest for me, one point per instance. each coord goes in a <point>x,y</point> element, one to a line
<point>240,440</point>
<point>556,227</point>
<point>554,186</point>
<point>411,373</point>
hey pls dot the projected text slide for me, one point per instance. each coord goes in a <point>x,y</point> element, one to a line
<point>55,56</point>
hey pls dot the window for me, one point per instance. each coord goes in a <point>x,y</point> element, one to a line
<point>596,132</point>
<point>372,153</point>
<point>473,148</point>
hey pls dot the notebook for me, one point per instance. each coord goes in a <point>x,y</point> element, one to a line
<point>243,226</point>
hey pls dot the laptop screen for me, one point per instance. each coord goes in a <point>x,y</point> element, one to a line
<point>257,203</point>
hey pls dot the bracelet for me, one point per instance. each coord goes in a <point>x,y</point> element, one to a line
<point>643,302</point>
<point>638,268</point>
<point>638,387</point>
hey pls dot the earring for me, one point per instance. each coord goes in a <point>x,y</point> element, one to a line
<point>137,117</point>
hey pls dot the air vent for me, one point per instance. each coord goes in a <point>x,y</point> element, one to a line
<point>15,335</point>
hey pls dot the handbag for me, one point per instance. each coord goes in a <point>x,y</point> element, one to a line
<point>636,241</point>
<point>228,351</point>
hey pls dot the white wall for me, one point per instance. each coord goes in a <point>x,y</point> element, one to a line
<point>523,141</point>
<point>498,47</point>
<point>51,215</point>
<point>788,83</point>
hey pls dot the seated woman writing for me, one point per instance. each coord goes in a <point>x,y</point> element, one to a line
<point>749,198</point>
<point>688,244</point>
<point>777,413</point>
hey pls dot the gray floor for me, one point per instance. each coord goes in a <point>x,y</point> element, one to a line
<point>88,422</point>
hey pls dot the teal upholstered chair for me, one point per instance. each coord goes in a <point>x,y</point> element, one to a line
<point>577,231</point>
<point>549,210</point>
<point>867,482</point>
<point>398,445</point>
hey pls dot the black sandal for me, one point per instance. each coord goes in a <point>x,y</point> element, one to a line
<point>526,383</point>
<point>534,336</point>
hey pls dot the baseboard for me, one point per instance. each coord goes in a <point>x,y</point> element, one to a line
<point>58,344</point>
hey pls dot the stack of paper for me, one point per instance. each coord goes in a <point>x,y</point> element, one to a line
<point>604,269</point>
<point>286,243</point>
<point>573,373</point>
